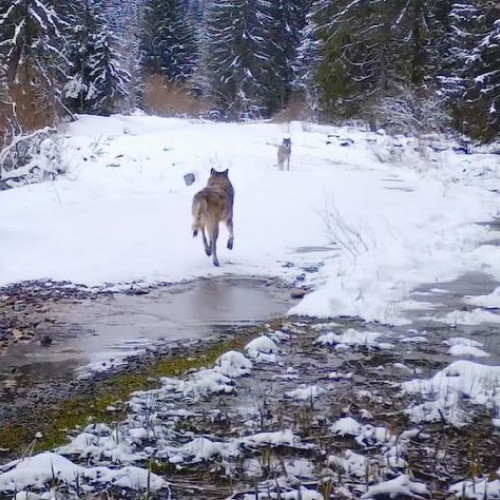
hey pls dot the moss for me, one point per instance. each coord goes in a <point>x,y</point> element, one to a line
<point>94,403</point>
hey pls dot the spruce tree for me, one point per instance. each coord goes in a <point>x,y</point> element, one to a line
<point>108,74</point>
<point>81,40</point>
<point>99,80</point>
<point>309,56</point>
<point>236,62</point>
<point>284,34</point>
<point>488,77</point>
<point>167,40</point>
<point>34,67</point>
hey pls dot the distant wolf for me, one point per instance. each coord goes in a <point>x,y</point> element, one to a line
<point>284,152</point>
<point>212,205</point>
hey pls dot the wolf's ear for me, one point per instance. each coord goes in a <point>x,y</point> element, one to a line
<point>213,171</point>
<point>226,172</point>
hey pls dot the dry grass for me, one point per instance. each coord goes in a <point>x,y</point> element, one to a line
<point>162,97</point>
<point>297,110</point>
<point>26,106</point>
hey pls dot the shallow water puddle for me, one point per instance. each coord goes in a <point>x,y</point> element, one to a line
<point>97,333</point>
<point>445,313</point>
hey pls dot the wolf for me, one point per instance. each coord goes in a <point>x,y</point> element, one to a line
<point>284,152</point>
<point>212,205</point>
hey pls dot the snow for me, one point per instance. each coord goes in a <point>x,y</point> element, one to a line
<point>262,349</point>
<point>491,301</point>
<point>461,381</point>
<point>350,463</point>
<point>44,468</point>
<point>233,364</point>
<point>306,392</point>
<point>346,427</point>
<point>201,384</point>
<point>462,341</point>
<point>468,318</point>
<point>477,488</point>
<point>122,212</point>
<point>350,338</point>
<point>401,485</point>
<point>464,350</point>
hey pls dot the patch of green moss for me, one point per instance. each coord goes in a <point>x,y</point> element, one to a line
<point>94,403</point>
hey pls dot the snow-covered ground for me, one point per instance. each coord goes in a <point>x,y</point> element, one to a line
<point>393,217</point>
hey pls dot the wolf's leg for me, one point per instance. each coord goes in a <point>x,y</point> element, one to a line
<point>214,234</point>
<point>208,250</point>
<point>230,241</point>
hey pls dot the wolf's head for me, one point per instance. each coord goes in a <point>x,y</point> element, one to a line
<point>214,173</point>
<point>287,142</point>
<point>219,179</point>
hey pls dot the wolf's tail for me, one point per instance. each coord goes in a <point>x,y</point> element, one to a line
<point>198,209</point>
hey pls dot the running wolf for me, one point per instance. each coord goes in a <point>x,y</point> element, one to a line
<point>212,205</point>
<point>284,152</point>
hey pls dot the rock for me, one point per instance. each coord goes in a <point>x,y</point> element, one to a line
<point>9,384</point>
<point>18,334</point>
<point>22,335</point>
<point>137,290</point>
<point>189,179</point>
<point>297,293</point>
<point>45,340</point>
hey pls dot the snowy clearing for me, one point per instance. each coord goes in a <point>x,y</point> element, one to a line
<point>373,225</point>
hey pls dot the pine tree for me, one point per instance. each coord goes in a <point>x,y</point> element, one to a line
<point>236,62</point>
<point>309,56</point>
<point>376,50</point>
<point>287,20</point>
<point>167,40</point>
<point>488,78</point>
<point>123,18</point>
<point>195,20</point>
<point>99,81</point>
<point>470,80</point>
<point>34,67</point>
<point>109,78</point>
<point>81,40</point>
